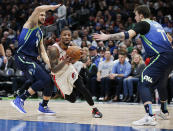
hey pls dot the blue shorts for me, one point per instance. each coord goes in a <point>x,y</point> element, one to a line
<point>155,75</point>
<point>35,72</point>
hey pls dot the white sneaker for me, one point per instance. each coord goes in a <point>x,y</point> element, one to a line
<point>146,121</point>
<point>101,98</point>
<point>164,116</point>
<point>94,98</point>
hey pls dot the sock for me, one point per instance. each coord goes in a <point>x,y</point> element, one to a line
<point>44,103</point>
<point>164,107</point>
<point>148,109</point>
<point>93,107</point>
<point>25,95</point>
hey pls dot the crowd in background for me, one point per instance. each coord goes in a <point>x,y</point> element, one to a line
<point>111,69</point>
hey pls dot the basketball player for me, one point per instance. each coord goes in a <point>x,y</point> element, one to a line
<point>30,44</point>
<point>155,75</point>
<point>64,74</point>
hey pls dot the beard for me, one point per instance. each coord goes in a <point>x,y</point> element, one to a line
<point>66,44</point>
<point>40,23</point>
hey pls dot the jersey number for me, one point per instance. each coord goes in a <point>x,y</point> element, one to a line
<point>162,33</point>
<point>39,37</point>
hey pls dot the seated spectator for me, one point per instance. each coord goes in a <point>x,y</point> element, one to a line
<point>50,19</point>
<point>137,65</point>
<point>115,53</point>
<point>7,71</point>
<point>76,39</point>
<point>101,52</point>
<point>120,70</point>
<point>92,74</point>
<point>10,61</point>
<point>104,70</point>
<point>94,55</point>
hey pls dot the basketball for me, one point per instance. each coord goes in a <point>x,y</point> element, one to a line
<point>74,52</point>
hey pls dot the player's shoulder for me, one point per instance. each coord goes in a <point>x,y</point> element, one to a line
<point>56,44</point>
<point>29,25</point>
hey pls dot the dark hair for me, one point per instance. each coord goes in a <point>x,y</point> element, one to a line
<point>122,52</point>
<point>65,29</point>
<point>144,10</point>
<point>9,49</point>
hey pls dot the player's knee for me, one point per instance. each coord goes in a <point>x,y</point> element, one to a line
<point>145,93</point>
<point>70,98</point>
<point>47,80</point>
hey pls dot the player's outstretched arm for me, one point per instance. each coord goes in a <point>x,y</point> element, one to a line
<point>117,36</point>
<point>33,19</point>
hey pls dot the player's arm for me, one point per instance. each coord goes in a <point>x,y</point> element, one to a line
<point>53,55</point>
<point>169,37</point>
<point>140,28</point>
<point>3,53</point>
<point>117,36</point>
<point>33,19</point>
<point>44,54</point>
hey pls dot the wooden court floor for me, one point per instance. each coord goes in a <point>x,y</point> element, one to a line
<point>115,114</point>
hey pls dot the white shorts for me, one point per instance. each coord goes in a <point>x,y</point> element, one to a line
<point>64,81</point>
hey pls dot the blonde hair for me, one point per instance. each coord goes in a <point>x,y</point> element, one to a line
<point>141,61</point>
<point>86,49</point>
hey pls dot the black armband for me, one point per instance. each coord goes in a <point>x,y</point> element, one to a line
<point>126,33</point>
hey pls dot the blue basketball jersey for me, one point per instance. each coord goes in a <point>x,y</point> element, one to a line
<point>155,41</point>
<point>29,41</point>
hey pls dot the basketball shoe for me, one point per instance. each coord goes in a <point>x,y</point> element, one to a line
<point>164,116</point>
<point>18,103</point>
<point>146,121</point>
<point>96,113</point>
<point>45,110</point>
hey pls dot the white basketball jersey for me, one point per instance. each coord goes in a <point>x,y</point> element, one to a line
<point>65,78</point>
<point>61,52</point>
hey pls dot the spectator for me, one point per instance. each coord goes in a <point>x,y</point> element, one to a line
<point>120,70</point>
<point>104,70</point>
<point>50,19</point>
<point>92,74</point>
<point>137,65</point>
<point>76,39</point>
<point>61,16</point>
<point>10,60</point>
<point>94,56</point>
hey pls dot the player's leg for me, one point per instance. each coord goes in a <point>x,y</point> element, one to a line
<point>149,79</point>
<point>45,82</point>
<point>40,79</point>
<point>154,75</point>
<point>81,88</point>
<point>162,86</point>
<point>163,94</point>
<point>72,97</point>
<point>24,65</point>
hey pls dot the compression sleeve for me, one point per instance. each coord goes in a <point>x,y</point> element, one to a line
<point>142,27</point>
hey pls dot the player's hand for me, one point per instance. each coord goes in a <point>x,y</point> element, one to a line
<point>101,36</point>
<point>68,59</point>
<point>55,6</point>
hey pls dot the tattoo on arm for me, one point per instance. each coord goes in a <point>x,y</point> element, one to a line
<point>117,36</point>
<point>55,66</point>
<point>53,58</point>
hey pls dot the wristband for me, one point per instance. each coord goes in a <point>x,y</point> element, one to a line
<point>126,33</point>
